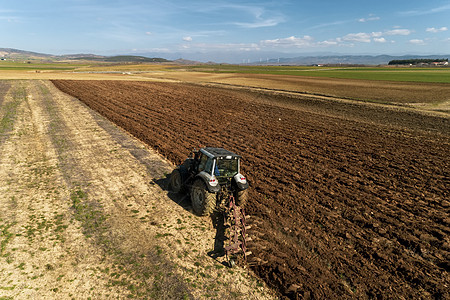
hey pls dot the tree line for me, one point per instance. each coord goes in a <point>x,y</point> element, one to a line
<point>415,61</point>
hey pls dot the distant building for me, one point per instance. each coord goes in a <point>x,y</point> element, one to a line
<point>440,63</point>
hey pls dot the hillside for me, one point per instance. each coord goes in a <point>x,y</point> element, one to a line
<point>15,54</point>
<point>121,59</point>
<point>10,53</point>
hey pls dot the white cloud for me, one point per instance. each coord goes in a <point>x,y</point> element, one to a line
<point>435,30</point>
<point>328,43</point>
<point>292,41</point>
<point>379,40</point>
<point>358,37</point>
<point>363,37</point>
<point>260,23</point>
<point>258,16</point>
<point>363,20</point>
<point>330,24</point>
<point>427,12</point>
<point>309,42</point>
<point>148,33</point>
<point>376,37</point>
<point>205,47</point>
<point>187,39</point>
<point>377,34</point>
<point>398,32</point>
<point>250,47</point>
<point>162,50</point>
<point>417,42</point>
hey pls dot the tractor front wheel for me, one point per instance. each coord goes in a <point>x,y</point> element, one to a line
<point>203,202</point>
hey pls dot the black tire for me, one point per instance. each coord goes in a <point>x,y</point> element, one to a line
<point>175,184</point>
<point>203,202</point>
<point>241,198</point>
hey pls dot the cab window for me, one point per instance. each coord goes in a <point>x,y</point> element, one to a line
<point>205,164</point>
<point>226,167</point>
<point>202,163</point>
<point>208,166</point>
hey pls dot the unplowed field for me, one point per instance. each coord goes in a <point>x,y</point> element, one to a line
<point>347,200</point>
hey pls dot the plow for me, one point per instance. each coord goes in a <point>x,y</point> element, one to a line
<point>235,232</point>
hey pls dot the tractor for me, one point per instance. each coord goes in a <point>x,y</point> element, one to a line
<point>210,176</point>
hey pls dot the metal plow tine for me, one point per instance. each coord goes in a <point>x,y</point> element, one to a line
<point>237,237</point>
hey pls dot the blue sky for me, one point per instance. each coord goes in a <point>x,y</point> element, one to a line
<point>211,28</point>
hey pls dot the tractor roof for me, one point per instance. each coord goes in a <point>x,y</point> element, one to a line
<point>218,152</point>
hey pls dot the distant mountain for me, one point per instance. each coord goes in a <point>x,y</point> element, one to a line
<point>81,56</point>
<point>344,59</point>
<point>247,58</point>
<point>9,53</point>
<point>118,58</point>
<point>274,57</point>
<point>20,54</point>
<point>181,61</point>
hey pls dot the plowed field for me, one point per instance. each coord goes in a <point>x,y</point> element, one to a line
<point>347,200</point>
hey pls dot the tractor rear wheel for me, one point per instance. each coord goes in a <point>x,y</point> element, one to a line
<point>203,202</point>
<point>241,198</point>
<point>175,183</point>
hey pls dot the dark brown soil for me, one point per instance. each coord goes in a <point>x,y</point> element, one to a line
<point>344,205</point>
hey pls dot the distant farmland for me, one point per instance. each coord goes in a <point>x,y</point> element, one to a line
<point>437,75</point>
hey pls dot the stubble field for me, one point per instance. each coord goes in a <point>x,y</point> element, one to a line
<point>347,199</point>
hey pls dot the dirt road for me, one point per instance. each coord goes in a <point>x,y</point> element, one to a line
<point>348,200</point>
<point>83,212</point>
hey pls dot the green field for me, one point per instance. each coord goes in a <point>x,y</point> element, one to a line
<point>83,66</point>
<point>38,66</point>
<point>438,75</point>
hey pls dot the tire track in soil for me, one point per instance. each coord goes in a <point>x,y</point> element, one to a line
<point>83,217</point>
<point>342,207</point>
<point>4,88</point>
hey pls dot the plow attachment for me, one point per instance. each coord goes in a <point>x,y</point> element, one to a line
<point>235,233</point>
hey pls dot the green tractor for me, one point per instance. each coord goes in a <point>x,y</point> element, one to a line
<point>210,176</point>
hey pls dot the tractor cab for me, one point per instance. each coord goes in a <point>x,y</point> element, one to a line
<point>211,169</point>
<point>219,163</point>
